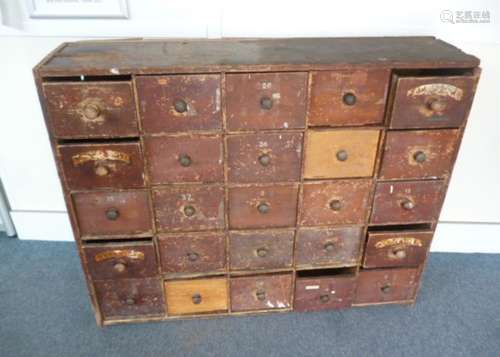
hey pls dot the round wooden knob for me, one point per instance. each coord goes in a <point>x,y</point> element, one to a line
<point>385,289</point>
<point>262,252</point>
<point>263,208</point>
<point>260,294</point>
<point>101,170</point>
<point>324,298</point>
<point>266,103</point>
<point>349,99</point>
<point>335,205</point>
<point>189,211</point>
<point>264,159</point>
<point>192,256</point>
<point>420,157</point>
<point>119,267</point>
<point>398,253</point>
<point>329,247</point>
<point>112,214</point>
<point>91,111</point>
<point>180,106</point>
<point>185,160</point>
<point>341,155</point>
<point>130,301</point>
<point>196,298</point>
<point>437,105</point>
<point>408,205</point>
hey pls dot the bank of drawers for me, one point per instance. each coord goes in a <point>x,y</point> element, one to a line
<point>211,193</point>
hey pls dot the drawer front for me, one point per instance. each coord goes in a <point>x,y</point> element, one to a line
<point>336,202</point>
<point>89,166</point>
<point>322,293</point>
<point>339,247</point>
<point>189,158</point>
<point>91,110</point>
<point>192,253</point>
<point>130,297</point>
<point>432,102</point>
<point>386,285</point>
<point>407,202</point>
<point>266,100</point>
<point>261,250</point>
<point>264,206</point>
<point>179,102</point>
<point>265,292</point>
<point>196,296</point>
<point>189,208</point>
<point>419,154</point>
<point>113,213</point>
<point>348,97</point>
<point>121,261</point>
<point>384,249</point>
<point>264,157</point>
<point>340,153</point>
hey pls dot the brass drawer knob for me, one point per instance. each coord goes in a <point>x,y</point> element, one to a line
<point>189,211</point>
<point>119,267</point>
<point>101,170</point>
<point>420,157</point>
<point>264,159</point>
<point>324,298</point>
<point>385,289</point>
<point>192,256</point>
<point>262,252</point>
<point>349,99</point>
<point>329,247</point>
<point>260,294</point>
<point>398,253</point>
<point>335,205</point>
<point>180,106</point>
<point>342,155</point>
<point>112,214</point>
<point>408,205</point>
<point>196,298</point>
<point>263,208</point>
<point>437,105</point>
<point>91,111</point>
<point>266,103</point>
<point>185,160</point>
<point>130,301</point>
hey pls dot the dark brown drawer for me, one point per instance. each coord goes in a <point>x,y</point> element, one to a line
<point>432,102</point>
<point>189,208</point>
<point>335,202</point>
<point>261,292</point>
<point>261,249</point>
<point>355,97</point>
<point>266,100</point>
<point>186,158</point>
<point>396,249</point>
<point>264,157</point>
<point>419,154</point>
<point>121,260</point>
<point>91,110</point>
<point>130,297</point>
<point>324,292</point>
<point>89,166</point>
<point>177,103</point>
<point>263,206</point>
<point>407,202</point>
<point>386,285</point>
<point>117,213</point>
<point>192,252</point>
<point>335,247</point>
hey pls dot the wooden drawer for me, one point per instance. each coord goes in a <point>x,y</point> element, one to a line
<point>177,103</point>
<point>261,292</point>
<point>419,154</point>
<point>186,158</point>
<point>335,247</point>
<point>407,202</point>
<point>90,166</point>
<point>263,206</point>
<point>264,157</point>
<point>130,297</point>
<point>386,285</point>
<point>189,208</point>
<point>393,249</point>
<point>116,213</point>
<point>196,296</point>
<point>192,252</point>
<point>91,110</point>
<point>355,97</point>
<point>121,260</point>
<point>322,292</point>
<point>335,202</point>
<point>268,249</point>
<point>432,102</point>
<point>266,100</point>
<point>340,153</point>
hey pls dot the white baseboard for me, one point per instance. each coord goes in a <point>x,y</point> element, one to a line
<point>449,237</point>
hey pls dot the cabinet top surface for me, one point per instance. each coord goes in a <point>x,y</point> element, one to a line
<point>141,56</point>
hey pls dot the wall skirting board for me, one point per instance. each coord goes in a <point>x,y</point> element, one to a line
<point>455,237</point>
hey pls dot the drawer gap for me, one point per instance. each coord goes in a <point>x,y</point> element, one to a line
<point>435,72</point>
<point>84,78</point>
<point>401,227</point>
<point>131,139</point>
<point>101,242</point>
<point>326,272</point>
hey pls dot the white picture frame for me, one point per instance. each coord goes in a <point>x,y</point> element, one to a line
<point>74,9</point>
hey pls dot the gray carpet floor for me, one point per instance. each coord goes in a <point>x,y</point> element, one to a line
<point>44,311</point>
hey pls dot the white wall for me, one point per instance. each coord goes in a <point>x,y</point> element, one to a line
<point>26,165</point>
